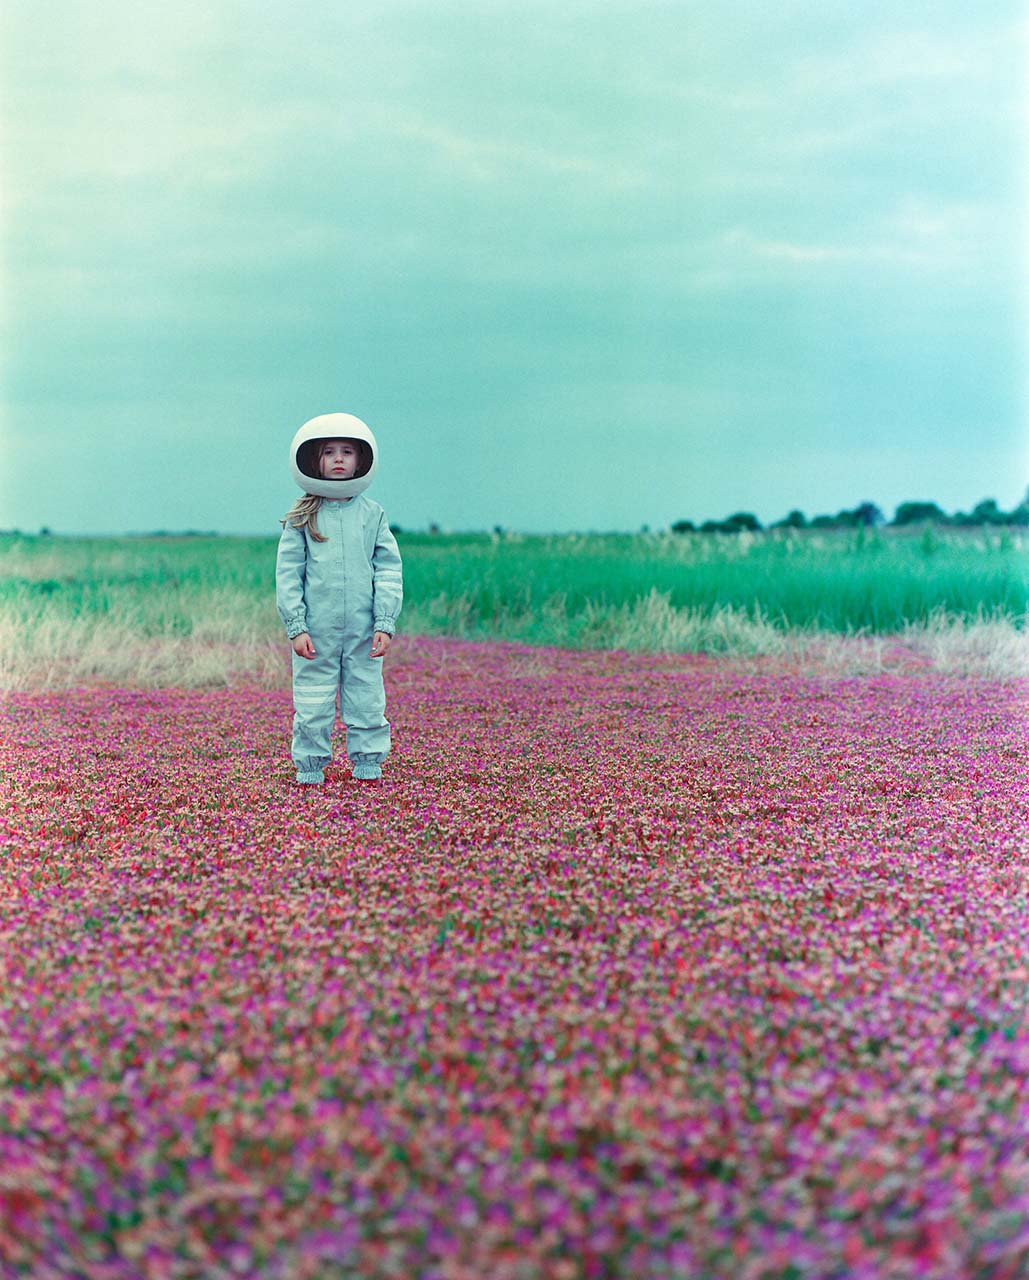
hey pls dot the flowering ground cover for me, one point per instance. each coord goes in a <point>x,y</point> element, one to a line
<point>639,968</point>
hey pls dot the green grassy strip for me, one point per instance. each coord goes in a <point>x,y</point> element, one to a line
<point>537,588</point>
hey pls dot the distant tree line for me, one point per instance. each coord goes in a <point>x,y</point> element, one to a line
<point>866,515</point>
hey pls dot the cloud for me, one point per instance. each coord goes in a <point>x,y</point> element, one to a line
<point>792,214</point>
<point>491,159</point>
<point>916,57</point>
<point>961,243</point>
<point>743,244</point>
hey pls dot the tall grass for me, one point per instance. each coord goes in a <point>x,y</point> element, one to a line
<point>200,610</point>
<point>838,582</point>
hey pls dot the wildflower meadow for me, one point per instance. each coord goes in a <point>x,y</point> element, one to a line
<point>640,966</point>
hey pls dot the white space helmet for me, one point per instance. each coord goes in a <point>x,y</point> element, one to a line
<point>303,455</point>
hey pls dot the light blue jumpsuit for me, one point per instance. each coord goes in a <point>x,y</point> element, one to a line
<point>340,591</point>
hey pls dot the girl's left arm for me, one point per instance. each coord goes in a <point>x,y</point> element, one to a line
<point>387,579</point>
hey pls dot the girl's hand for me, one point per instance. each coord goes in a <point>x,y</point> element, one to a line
<point>381,642</point>
<point>302,645</point>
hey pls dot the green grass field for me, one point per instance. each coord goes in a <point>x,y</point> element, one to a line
<point>74,600</point>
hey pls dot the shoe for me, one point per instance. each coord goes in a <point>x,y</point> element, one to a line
<point>315,776</point>
<point>366,768</point>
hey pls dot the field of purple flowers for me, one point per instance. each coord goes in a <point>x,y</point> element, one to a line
<point>643,968</point>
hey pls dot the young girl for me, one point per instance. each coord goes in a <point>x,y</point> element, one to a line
<point>338,590</point>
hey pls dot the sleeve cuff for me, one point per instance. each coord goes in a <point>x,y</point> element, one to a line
<point>296,625</point>
<point>388,625</point>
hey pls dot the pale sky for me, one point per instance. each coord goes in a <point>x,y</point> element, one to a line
<point>578,265</point>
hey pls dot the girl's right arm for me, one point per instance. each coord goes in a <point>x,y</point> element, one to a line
<point>290,575</point>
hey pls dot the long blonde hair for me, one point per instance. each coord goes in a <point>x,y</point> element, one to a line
<point>304,513</point>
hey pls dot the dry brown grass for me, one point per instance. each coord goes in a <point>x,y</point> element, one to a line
<point>47,651</point>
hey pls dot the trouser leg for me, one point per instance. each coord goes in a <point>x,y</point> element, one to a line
<point>363,705</point>
<point>315,682</point>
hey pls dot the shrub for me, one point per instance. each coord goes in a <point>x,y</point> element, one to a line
<point>918,513</point>
<point>794,520</point>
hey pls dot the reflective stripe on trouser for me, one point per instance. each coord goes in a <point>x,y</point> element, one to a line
<point>362,703</point>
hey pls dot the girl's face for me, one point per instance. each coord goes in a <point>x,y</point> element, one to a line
<point>338,459</point>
